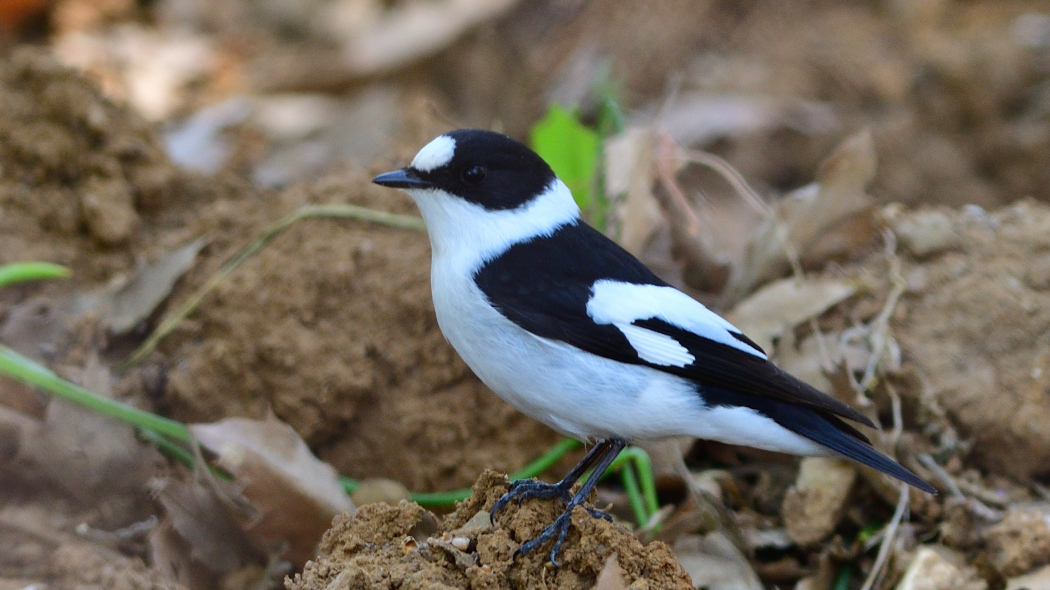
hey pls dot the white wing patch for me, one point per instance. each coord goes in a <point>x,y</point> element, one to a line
<point>435,154</point>
<point>615,302</point>
<point>656,348</point>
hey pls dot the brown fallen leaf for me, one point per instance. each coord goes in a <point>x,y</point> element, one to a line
<point>294,494</point>
<point>704,268</point>
<point>88,455</point>
<point>204,531</point>
<point>171,555</point>
<point>125,304</point>
<point>715,563</point>
<point>777,308</point>
<point>805,215</point>
<point>629,179</point>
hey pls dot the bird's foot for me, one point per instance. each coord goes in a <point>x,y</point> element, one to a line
<point>557,530</point>
<point>528,489</point>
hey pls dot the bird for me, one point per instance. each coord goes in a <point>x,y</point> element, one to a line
<point>574,331</point>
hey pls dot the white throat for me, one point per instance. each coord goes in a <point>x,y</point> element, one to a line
<point>467,235</point>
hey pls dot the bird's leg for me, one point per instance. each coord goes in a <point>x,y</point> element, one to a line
<point>527,489</point>
<point>560,527</point>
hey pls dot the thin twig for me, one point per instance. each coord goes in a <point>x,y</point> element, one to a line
<point>887,540</point>
<point>879,327</point>
<point>732,176</point>
<point>898,418</point>
<point>942,476</point>
<point>686,228</point>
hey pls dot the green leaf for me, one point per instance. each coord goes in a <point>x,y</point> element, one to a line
<point>571,149</point>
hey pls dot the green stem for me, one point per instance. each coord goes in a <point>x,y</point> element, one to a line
<point>843,578</point>
<point>634,496</point>
<point>166,433</point>
<point>534,468</point>
<point>20,272</point>
<point>29,371</point>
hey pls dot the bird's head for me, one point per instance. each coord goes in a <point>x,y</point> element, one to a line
<point>482,189</point>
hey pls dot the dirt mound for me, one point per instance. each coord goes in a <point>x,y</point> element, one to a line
<point>331,325</point>
<point>85,182</point>
<point>974,330</point>
<point>406,546</point>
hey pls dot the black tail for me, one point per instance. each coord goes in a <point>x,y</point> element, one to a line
<point>820,427</point>
<point>842,438</point>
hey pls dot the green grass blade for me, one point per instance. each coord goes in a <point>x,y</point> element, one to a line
<point>634,495</point>
<point>20,272</point>
<point>28,371</point>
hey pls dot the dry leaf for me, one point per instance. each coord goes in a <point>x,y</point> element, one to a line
<point>714,563</point>
<point>171,555</point>
<point>697,119</point>
<point>123,306</point>
<point>205,523</point>
<point>767,314</point>
<point>37,327</point>
<point>294,493</point>
<point>611,576</point>
<point>804,216</point>
<point>703,268</point>
<point>414,30</point>
<point>87,454</point>
<point>629,178</point>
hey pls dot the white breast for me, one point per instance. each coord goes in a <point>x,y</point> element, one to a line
<point>576,393</point>
<point>579,394</point>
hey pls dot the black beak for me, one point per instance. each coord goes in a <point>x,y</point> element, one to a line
<point>403,178</point>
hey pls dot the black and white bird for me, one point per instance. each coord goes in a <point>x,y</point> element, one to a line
<point>574,331</point>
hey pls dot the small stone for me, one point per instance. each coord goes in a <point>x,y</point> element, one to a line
<point>925,233</point>
<point>1036,580</point>
<point>814,504</point>
<point>940,569</point>
<point>479,523</point>
<point>374,490</point>
<point>1021,541</point>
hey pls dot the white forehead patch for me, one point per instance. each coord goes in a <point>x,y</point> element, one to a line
<point>435,154</point>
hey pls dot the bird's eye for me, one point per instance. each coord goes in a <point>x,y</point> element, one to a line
<point>474,174</point>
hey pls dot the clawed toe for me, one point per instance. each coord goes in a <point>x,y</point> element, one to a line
<point>558,530</point>
<point>529,489</point>
<point>598,513</point>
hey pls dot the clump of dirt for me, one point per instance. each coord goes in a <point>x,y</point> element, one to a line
<point>974,330</point>
<point>83,565</point>
<point>84,182</point>
<point>331,326</point>
<point>406,546</point>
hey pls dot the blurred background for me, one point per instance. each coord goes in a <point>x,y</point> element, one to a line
<point>861,185</point>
